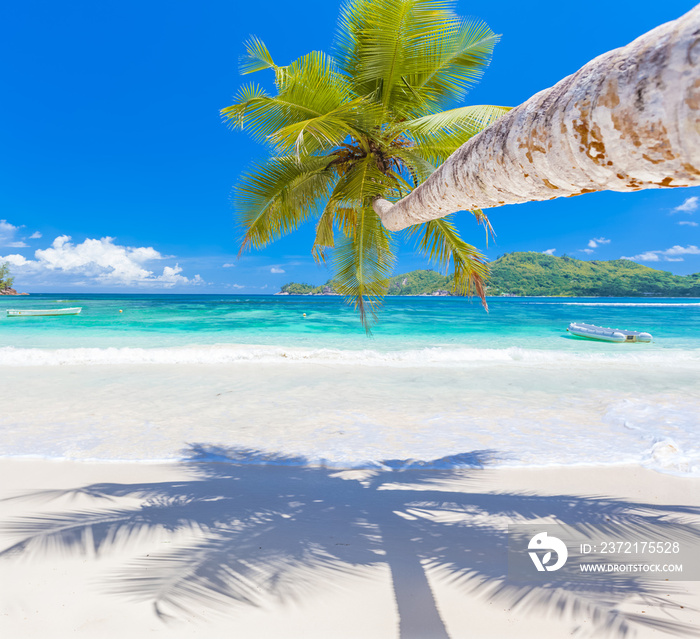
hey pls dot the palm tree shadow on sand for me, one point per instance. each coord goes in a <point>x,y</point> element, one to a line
<point>273,527</point>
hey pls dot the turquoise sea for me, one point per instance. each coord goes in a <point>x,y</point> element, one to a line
<point>404,323</point>
<point>440,381</point>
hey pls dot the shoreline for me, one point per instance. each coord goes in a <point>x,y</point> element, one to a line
<point>306,569</point>
<point>477,416</point>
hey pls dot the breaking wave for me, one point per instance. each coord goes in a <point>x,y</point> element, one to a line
<point>230,354</point>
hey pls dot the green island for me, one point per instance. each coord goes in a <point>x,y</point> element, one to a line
<point>529,273</point>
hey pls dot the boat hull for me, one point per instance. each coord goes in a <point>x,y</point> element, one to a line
<point>39,312</point>
<point>601,333</point>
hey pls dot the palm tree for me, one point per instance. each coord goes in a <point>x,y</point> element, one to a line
<point>361,124</point>
<point>602,128</point>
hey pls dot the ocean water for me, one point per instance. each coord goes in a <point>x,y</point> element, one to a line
<point>440,383</point>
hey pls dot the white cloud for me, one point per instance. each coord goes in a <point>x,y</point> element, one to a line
<point>171,276</point>
<point>549,251</point>
<point>669,255</point>
<point>649,256</point>
<point>691,204</point>
<point>14,259</point>
<point>229,265</point>
<point>35,236</point>
<point>7,235</point>
<point>687,223</point>
<point>100,262</point>
<point>275,269</point>
<point>597,241</point>
<point>589,251</point>
<point>683,250</point>
<point>7,231</point>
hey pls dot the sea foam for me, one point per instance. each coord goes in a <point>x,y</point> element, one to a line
<point>436,356</point>
<point>392,417</point>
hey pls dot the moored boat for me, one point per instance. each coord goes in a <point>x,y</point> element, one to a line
<point>38,312</point>
<point>591,331</point>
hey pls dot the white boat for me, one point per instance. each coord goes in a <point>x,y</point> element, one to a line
<point>34,312</point>
<point>607,334</point>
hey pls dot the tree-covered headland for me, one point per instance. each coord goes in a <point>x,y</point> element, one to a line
<point>538,274</point>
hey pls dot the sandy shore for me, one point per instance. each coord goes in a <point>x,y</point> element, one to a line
<point>216,550</point>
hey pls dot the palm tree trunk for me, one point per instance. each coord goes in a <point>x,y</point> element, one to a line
<point>419,617</point>
<point>628,120</point>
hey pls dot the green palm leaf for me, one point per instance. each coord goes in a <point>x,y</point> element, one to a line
<point>452,62</point>
<point>419,168</point>
<point>274,198</point>
<point>257,57</point>
<point>314,109</point>
<point>325,131</point>
<point>325,237</point>
<point>471,119</point>
<point>364,258</point>
<point>380,43</point>
<point>363,263</point>
<point>437,136</point>
<point>238,114</point>
<point>441,243</point>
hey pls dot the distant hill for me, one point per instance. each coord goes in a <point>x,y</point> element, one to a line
<point>413,283</point>
<point>538,274</point>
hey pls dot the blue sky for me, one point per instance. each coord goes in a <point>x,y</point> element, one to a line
<point>117,171</point>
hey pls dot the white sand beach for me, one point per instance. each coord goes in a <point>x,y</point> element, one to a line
<point>219,550</point>
<point>264,499</point>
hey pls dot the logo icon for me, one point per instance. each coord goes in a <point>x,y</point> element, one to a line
<point>542,541</point>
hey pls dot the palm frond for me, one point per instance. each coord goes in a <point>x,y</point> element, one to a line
<point>451,61</point>
<point>325,131</point>
<point>364,258</point>
<point>483,219</point>
<point>261,115</point>
<point>324,238</point>
<point>470,119</point>
<point>362,265</point>
<point>341,210</point>
<point>257,57</point>
<point>314,109</point>
<point>375,41</point>
<point>335,216</point>
<point>312,80</point>
<point>419,168</point>
<point>438,148</point>
<point>361,182</point>
<point>350,36</point>
<point>238,114</point>
<point>435,137</point>
<point>274,198</point>
<point>417,54</point>
<point>441,243</point>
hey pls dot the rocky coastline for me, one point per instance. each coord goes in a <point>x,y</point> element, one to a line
<point>11,291</point>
